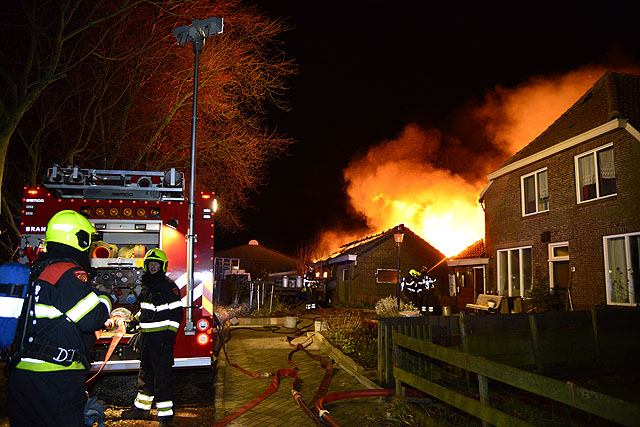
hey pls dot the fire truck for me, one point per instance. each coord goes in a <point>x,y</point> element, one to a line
<point>133,212</point>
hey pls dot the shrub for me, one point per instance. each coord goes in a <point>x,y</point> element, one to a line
<point>541,299</point>
<point>278,309</point>
<point>345,321</point>
<point>388,307</point>
<point>355,337</point>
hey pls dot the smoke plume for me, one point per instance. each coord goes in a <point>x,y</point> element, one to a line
<point>430,181</point>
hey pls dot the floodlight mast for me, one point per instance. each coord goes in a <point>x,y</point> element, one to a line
<point>195,33</point>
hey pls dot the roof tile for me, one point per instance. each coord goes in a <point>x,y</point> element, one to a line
<point>614,95</point>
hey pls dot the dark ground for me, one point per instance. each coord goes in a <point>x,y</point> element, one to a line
<point>193,398</point>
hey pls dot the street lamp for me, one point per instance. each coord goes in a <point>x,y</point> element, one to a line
<point>195,33</point>
<point>398,236</point>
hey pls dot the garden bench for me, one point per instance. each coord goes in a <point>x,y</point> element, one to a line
<point>490,304</point>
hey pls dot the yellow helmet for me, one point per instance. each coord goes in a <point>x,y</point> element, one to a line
<point>70,228</point>
<point>156,255</point>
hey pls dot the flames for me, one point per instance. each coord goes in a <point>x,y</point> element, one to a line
<point>431,181</point>
<point>397,182</point>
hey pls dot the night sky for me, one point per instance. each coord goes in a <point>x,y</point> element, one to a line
<point>368,68</point>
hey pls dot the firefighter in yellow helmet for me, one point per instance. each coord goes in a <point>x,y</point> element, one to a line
<point>415,287</point>
<point>160,315</point>
<point>46,386</point>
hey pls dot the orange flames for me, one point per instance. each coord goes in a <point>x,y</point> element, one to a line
<point>396,183</point>
<point>411,179</point>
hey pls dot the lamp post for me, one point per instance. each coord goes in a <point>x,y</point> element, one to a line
<point>195,33</point>
<point>398,236</point>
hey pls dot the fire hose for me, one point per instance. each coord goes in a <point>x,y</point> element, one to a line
<point>118,319</point>
<point>321,416</point>
<point>274,385</point>
<point>326,416</point>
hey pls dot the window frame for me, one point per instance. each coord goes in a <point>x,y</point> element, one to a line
<point>520,250</point>
<point>378,270</point>
<point>553,258</point>
<point>537,191</point>
<point>608,290</point>
<point>576,159</point>
<point>345,275</point>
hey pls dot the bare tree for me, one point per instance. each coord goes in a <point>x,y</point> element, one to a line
<point>304,256</point>
<point>120,96</point>
<point>42,41</point>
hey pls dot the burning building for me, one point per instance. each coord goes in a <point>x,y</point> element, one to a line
<point>366,270</point>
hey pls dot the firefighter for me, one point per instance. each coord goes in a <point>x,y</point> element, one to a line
<point>414,287</point>
<point>421,291</point>
<point>160,314</point>
<point>47,385</point>
<point>309,286</point>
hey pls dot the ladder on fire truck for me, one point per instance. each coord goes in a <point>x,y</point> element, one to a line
<point>97,184</point>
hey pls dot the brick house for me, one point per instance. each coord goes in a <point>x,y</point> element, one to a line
<point>563,212</point>
<point>364,271</point>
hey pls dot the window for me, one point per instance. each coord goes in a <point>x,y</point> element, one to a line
<point>514,272</point>
<point>559,269</point>
<point>535,192</point>
<point>386,276</point>
<point>345,275</point>
<point>595,174</point>
<point>622,268</point>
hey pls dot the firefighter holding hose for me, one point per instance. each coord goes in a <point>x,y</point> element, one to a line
<point>46,387</point>
<point>160,314</point>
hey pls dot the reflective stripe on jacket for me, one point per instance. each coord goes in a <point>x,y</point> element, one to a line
<point>66,314</point>
<point>160,310</point>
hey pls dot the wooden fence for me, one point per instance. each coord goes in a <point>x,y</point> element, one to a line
<point>521,350</point>
<point>442,330</point>
<point>547,343</point>
<point>607,407</point>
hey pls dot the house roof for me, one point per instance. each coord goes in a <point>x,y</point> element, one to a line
<point>364,244</point>
<point>475,250</point>
<point>253,252</point>
<point>614,95</point>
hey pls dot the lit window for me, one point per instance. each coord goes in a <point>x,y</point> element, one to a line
<point>514,272</point>
<point>535,192</point>
<point>386,276</point>
<point>595,174</point>
<point>622,268</point>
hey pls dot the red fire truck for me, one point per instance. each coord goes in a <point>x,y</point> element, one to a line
<point>134,211</point>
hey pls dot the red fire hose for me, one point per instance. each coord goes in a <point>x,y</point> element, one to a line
<point>322,416</point>
<point>273,387</point>
<point>122,329</point>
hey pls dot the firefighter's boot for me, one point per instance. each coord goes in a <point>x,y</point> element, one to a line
<point>165,421</point>
<point>134,413</point>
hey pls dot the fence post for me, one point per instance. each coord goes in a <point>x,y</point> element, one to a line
<point>380,352</point>
<point>399,388</point>
<point>537,357</point>
<point>388,365</point>
<point>464,343</point>
<point>483,391</point>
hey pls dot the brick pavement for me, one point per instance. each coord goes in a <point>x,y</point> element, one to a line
<point>265,351</point>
